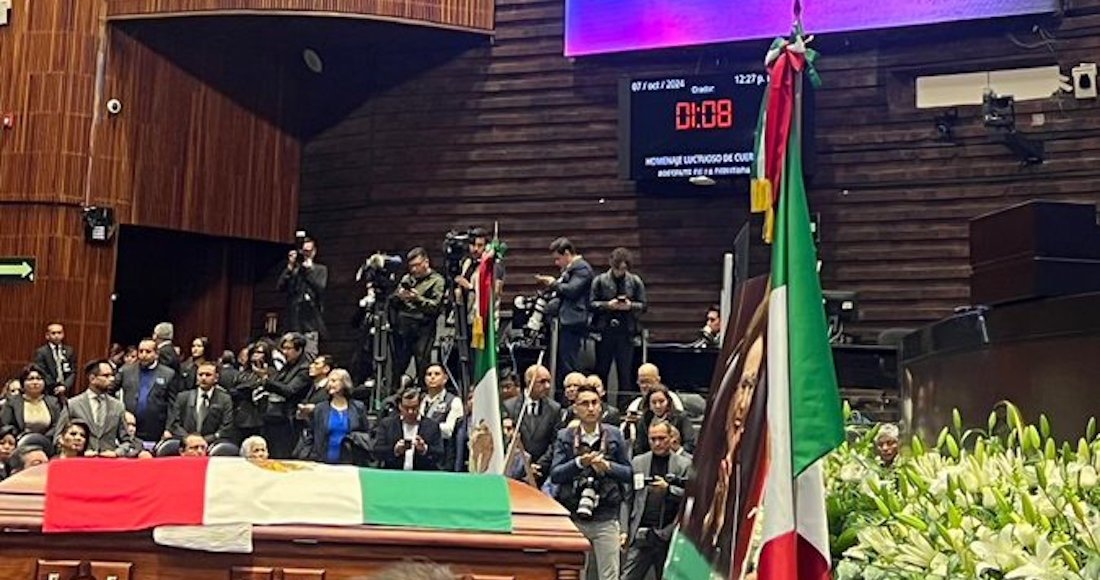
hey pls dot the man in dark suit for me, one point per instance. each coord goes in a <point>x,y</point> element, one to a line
<point>163,334</point>
<point>573,288</point>
<point>618,300</point>
<point>146,391</point>
<point>104,414</point>
<point>282,393</point>
<point>58,360</point>
<point>206,410</point>
<point>650,515</point>
<point>590,467</point>
<point>304,281</point>
<point>408,441</point>
<point>539,423</point>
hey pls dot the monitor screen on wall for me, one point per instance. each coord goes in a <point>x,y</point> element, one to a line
<point>603,26</point>
<point>681,127</point>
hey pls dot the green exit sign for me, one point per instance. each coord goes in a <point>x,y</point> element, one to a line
<point>16,270</point>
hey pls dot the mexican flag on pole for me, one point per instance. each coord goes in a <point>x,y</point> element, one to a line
<point>804,416</point>
<point>485,432</point>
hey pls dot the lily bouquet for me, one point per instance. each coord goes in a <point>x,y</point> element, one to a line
<point>1001,502</point>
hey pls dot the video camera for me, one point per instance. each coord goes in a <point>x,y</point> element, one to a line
<point>456,246</point>
<point>530,315</point>
<point>379,273</point>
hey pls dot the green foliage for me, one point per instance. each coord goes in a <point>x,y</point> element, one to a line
<point>1005,502</point>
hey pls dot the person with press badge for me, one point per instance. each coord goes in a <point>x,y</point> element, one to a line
<point>650,514</point>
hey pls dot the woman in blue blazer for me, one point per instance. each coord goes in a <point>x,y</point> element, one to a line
<point>333,421</point>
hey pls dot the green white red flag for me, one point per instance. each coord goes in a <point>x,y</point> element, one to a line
<point>111,495</point>
<point>804,416</point>
<point>485,431</point>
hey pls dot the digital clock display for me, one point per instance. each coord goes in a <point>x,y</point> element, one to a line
<point>688,126</point>
<point>705,114</point>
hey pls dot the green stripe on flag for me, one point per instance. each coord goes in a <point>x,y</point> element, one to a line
<point>685,562</point>
<point>817,423</point>
<point>449,501</point>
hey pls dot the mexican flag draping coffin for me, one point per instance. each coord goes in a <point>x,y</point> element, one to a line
<point>111,495</point>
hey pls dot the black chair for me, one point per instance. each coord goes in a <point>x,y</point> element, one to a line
<point>167,448</point>
<point>224,449</point>
<point>36,440</point>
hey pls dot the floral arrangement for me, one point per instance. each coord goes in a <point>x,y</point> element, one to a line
<point>1001,502</point>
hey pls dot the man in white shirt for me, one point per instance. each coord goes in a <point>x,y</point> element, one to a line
<point>443,407</point>
<point>438,403</point>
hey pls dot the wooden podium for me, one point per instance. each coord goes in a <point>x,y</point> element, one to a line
<point>543,545</point>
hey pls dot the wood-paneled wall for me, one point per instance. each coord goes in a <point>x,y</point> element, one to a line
<point>515,133</point>
<point>48,57</point>
<point>184,154</point>
<point>188,152</point>
<point>73,285</point>
<point>204,289</point>
<point>476,15</point>
<point>48,60</point>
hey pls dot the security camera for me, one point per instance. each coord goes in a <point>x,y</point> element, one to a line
<point>114,106</point>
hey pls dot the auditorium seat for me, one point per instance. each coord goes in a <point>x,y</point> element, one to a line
<point>167,448</point>
<point>224,449</point>
<point>36,439</point>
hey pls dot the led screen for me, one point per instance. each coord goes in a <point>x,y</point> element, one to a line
<point>679,127</point>
<point>600,26</point>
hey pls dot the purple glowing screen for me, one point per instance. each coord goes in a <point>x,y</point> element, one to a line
<point>601,26</point>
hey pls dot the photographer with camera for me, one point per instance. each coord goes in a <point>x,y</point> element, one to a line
<point>415,306</point>
<point>618,299</point>
<point>650,515</point>
<point>573,288</point>
<point>591,467</point>
<point>304,281</point>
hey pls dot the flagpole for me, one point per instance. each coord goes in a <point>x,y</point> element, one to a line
<point>522,413</point>
<point>796,129</point>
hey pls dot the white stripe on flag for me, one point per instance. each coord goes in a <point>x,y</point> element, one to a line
<point>811,519</point>
<point>778,488</point>
<point>241,491</point>
<point>486,410</point>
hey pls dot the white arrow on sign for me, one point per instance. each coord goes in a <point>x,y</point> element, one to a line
<point>22,269</point>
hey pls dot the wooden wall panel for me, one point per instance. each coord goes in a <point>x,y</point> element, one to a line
<point>476,15</point>
<point>202,284</point>
<point>515,132</point>
<point>47,56</point>
<point>184,155</point>
<point>74,284</point>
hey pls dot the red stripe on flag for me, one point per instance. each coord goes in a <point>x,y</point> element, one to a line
<point>118,495</point>
<point>485,278</point>
<point>791,557</point>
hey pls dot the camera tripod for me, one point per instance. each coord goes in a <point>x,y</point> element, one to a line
<point>375,324</point>
<point>455,338</point>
